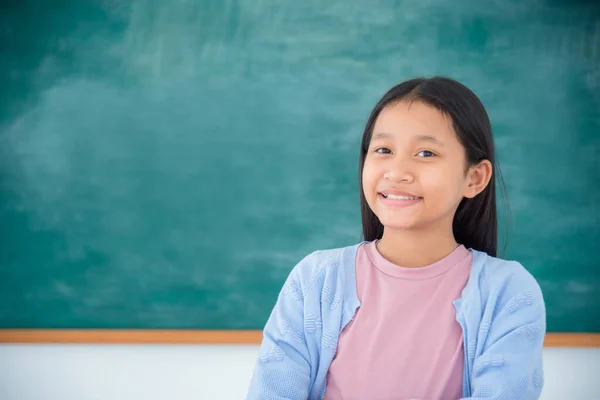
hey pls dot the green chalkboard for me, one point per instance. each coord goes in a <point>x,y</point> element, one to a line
<point>164,164</point>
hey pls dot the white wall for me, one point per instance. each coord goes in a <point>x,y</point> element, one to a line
<point>181,372</point>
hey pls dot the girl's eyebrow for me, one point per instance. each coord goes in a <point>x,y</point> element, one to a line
<point>381,136</point>
<point>428,138</point>
<point>418,138</point>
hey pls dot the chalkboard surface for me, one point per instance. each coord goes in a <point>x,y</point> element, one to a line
<point>164,164</point>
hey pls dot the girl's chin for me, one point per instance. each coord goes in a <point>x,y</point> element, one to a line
<point>395,223</point>
<point>399,226</point>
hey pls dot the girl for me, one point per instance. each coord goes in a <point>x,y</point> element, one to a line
<point>421,308</point>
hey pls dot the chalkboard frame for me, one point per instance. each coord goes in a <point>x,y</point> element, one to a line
<point>213,337</point>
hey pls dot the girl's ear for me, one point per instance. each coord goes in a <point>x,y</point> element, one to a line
<point>478,177</point>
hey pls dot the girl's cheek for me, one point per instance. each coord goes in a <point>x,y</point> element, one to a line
<point>368,176</point>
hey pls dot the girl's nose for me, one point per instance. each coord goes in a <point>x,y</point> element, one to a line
<point>399,174</point>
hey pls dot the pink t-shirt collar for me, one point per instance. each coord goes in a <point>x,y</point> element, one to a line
<point>427,272</point>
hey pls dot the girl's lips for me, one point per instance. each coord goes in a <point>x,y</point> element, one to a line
<point>397,192</point>
<point>397,203</point>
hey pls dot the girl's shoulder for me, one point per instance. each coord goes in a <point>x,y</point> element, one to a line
<point>496,276</point>
<point>325,261</point>
<point>331,266</point>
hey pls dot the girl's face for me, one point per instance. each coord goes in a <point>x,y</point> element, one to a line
<point>415,171</point>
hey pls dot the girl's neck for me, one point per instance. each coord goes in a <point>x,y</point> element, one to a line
<point>415,249</point>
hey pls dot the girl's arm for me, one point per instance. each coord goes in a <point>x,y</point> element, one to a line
<point>510,366</point>
<point>283,370</point>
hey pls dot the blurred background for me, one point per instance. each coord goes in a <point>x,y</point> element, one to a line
<point>165,164</point>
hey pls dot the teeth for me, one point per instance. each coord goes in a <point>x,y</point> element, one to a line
<point>396,197</point>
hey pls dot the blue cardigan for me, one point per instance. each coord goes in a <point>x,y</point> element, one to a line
<point>501,312</point>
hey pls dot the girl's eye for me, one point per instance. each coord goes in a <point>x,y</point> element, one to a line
<point>426,154</point>
<point>387,151</point>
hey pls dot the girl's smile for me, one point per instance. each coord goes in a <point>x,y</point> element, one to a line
<point>394,198</point>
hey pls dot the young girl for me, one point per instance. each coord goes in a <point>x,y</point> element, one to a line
<point>422,308</point>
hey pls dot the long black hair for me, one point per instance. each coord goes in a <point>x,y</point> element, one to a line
<point>475,223</point>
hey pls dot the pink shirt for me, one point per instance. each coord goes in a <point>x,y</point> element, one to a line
<point>404,341</point>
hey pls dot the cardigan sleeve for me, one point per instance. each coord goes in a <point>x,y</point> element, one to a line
<point>283,369</point>
<point>510,365</point>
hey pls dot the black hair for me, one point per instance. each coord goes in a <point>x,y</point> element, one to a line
<point>475,223</point>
